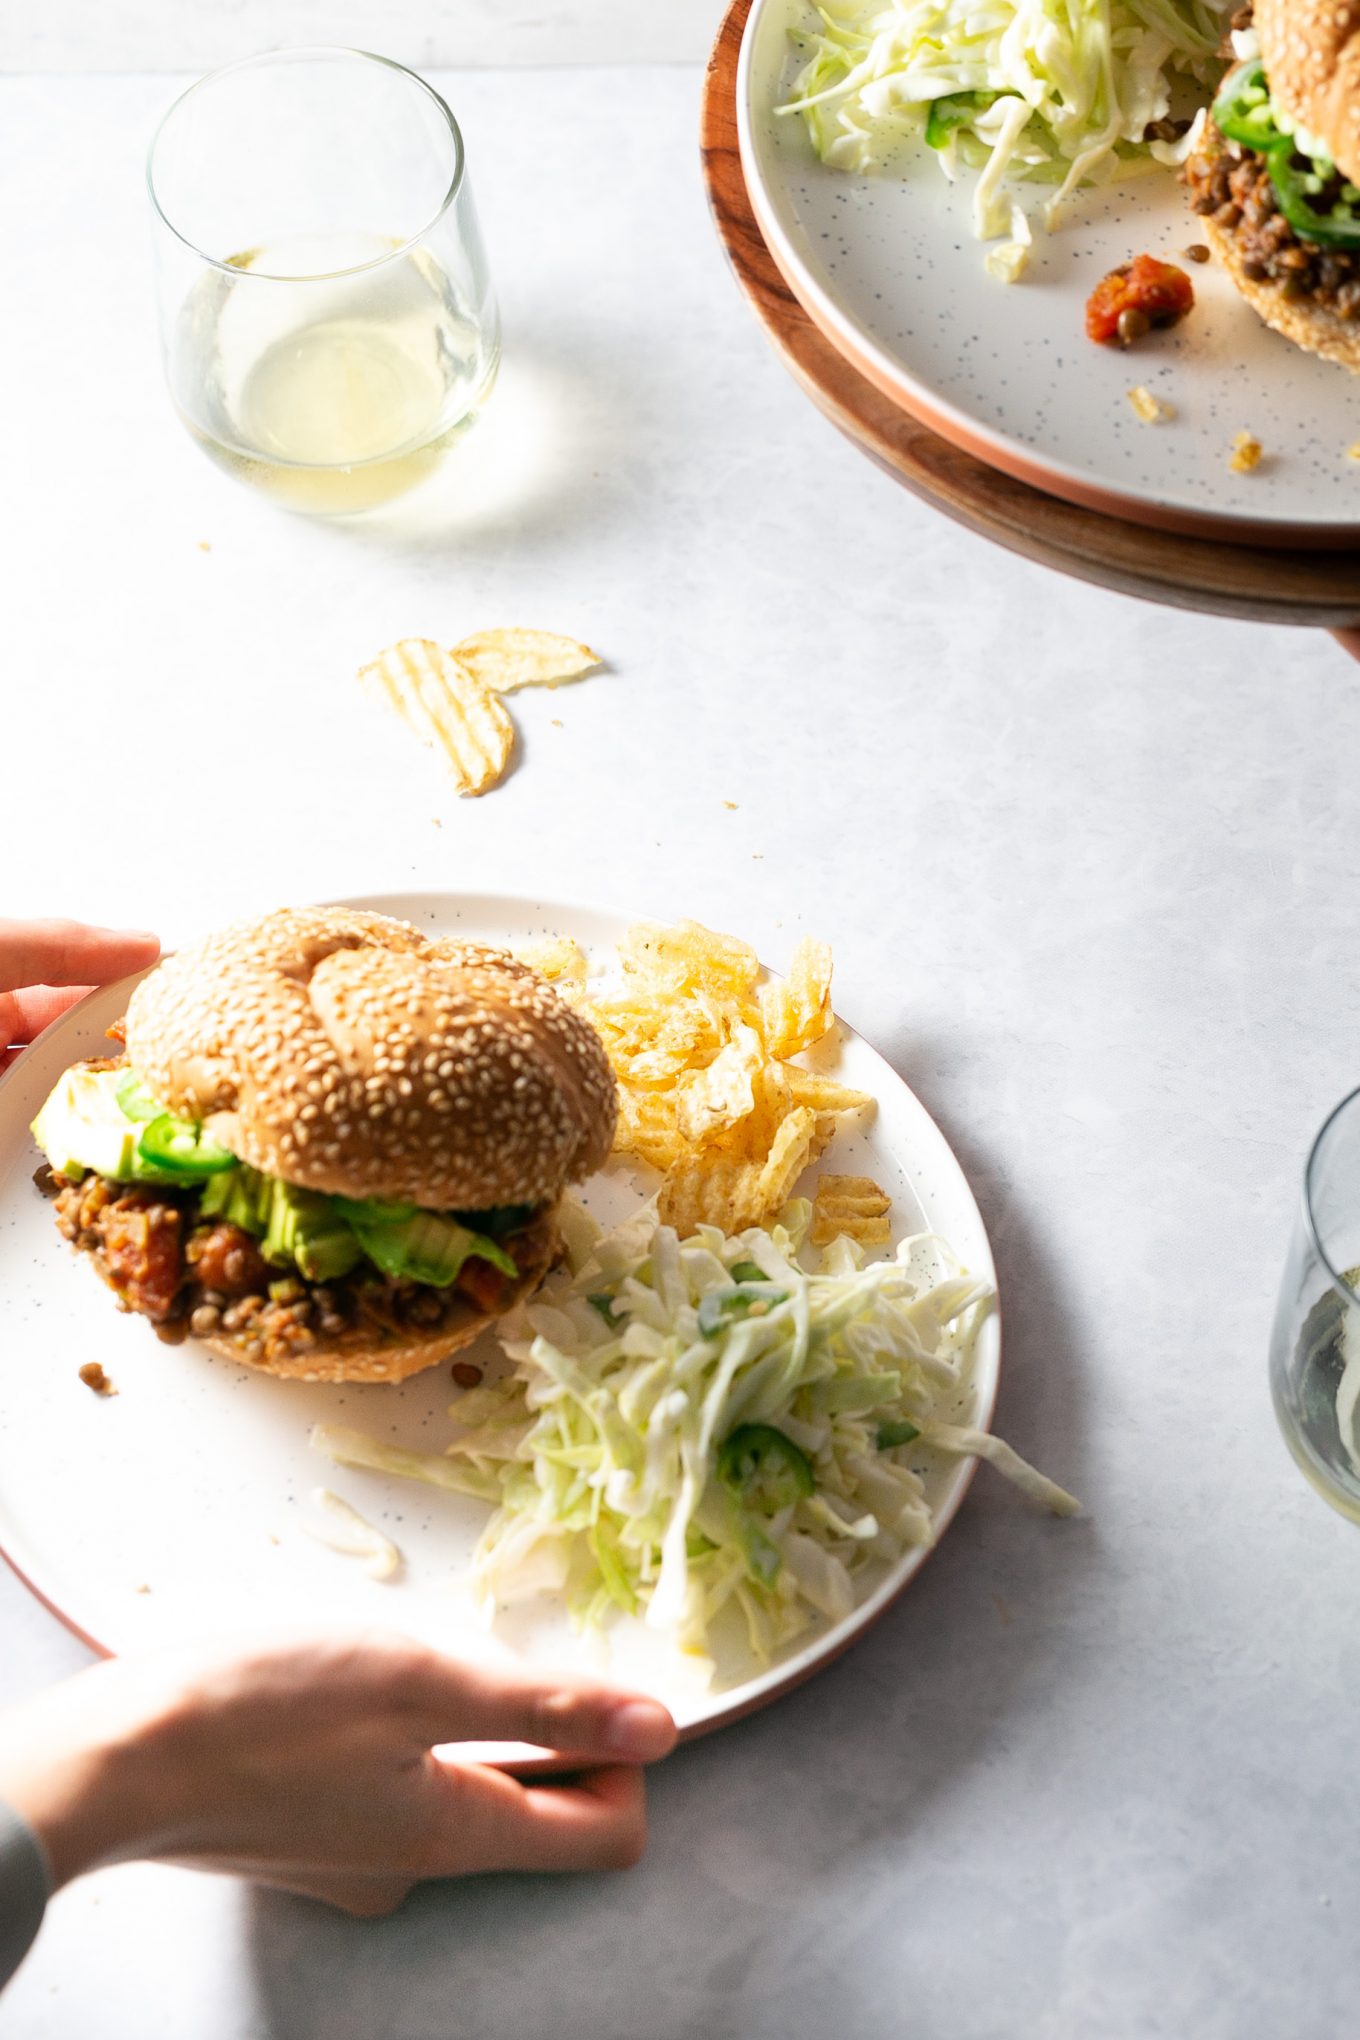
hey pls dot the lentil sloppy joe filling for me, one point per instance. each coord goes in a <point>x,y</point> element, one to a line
<point>206,1277</point>
<point>1237,193</point>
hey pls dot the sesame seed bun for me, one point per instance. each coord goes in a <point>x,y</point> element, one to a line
<point>1311,51</point>
<point>1302,320</point>
<point>349,1053</point>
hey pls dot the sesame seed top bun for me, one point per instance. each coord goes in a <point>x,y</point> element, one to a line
<point>349,1053</point>
<point>1311,51</point>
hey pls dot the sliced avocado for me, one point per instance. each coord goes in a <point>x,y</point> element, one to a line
<point>82,1126</point>
<point>327,1256</point>
<point>295,1216</point>
<point>304,1227</point>
<point>294,1226</point>
<point>241,1196</point>
<point>134,1100</point>
<point>427,1248</point>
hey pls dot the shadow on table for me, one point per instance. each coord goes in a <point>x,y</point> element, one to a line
<point>559,458</point>
<point>796,1881</point>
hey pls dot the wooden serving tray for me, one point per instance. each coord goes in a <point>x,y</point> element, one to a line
<point>1263,584</point>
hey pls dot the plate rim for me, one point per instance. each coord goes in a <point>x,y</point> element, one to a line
<point>738,1701</point>
<point>855,344</point>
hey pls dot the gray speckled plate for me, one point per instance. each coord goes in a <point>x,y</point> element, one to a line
<point>888,267</point>
<point>182,1504</point>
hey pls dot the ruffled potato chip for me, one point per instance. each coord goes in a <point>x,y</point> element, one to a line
<point>505,660</point>
<point>850,1207</point>
<point>447,707</point>
<point>715,1098</point>
<point>647,1128</point>
<point>823,1094</point>
<point>657,1047</point>
<point>786,1161</point>
<point>690,957</point>
<point>797,1012</point>
<point>731,1191</point>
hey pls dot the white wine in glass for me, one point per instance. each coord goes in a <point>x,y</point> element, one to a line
<point>332,366</point>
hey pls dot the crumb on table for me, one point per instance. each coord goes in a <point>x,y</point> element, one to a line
<point>93,1376</point>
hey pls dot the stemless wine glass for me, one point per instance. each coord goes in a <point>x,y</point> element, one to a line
<point>1315,1349</point>
<point>327,319</point>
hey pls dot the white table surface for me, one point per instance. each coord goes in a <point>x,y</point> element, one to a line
<point>194,35</point>
<point>1092,874</point>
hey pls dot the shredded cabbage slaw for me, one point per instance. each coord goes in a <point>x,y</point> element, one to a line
<point>1059,92</point>
<point>602,1448</point>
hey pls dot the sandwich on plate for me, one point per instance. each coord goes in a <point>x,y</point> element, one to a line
<point>1276,174</point>
<point>334,1147</point>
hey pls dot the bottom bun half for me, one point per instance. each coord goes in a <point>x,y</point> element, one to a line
<point>353,1360</point>
<point>1308,325</point>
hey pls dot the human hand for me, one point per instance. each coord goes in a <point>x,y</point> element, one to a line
<point>45,966</point>
<point>310,1766</point>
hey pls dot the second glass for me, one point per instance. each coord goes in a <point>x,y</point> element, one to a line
<point>327,318</point>
<point>1315,1350</point>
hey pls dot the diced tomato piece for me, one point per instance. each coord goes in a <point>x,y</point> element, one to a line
<point>482,1284</point>
<point>142,1251</point>
<point>1160,291</point>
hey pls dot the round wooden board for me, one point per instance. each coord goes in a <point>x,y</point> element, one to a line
<point>1262,584</point>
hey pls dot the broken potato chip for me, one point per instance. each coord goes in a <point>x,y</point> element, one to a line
<point>712,1099</point>
<point>647,1129</point>
<point>790,1153</point>
<point>505,660</point>
<point>448,708</point>
<point>797,1012</point>
<point>561,961</point>
<point>689,958</point>
<point>850,1207</point>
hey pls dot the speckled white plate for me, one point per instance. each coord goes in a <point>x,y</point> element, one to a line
<point>887,266</point>
<point>178,1505</point>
